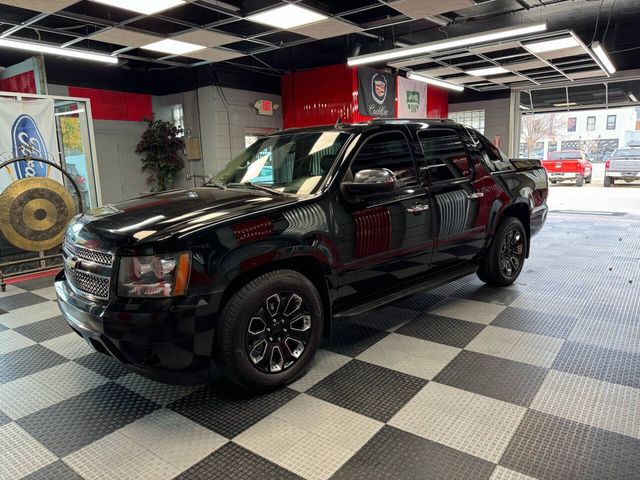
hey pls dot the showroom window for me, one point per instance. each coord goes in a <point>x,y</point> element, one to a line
<point>611,122</point>
<point>571,124</point>
<point>591,123</point>
<point>445,154</point>
<point>177,117</point>
<point>471,118</point>
<point>388,150</point>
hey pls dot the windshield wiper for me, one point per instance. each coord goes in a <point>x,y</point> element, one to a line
<point>259,187</point>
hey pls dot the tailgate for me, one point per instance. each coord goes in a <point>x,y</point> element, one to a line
<point>625,165</point>
<point>562,166</point>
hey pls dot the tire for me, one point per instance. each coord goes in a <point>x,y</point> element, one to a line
<point>608,181</point>
<point>492,271</point>
<point>246,312</point>
<point>579,181</point>
<point>553,181</point>
<point>588,179</point>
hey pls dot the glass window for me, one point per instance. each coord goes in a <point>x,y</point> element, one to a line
<point>177,116</point>
<point>445,154</point>
<point>388,150</point>
<point>591,123</point>
<point>611,122</point>
<point>470,118</point>
<point>571,124</point>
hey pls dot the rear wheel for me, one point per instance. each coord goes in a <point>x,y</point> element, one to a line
<point>588,179</point>
<point>505,258</point>
<point>608,181</point>
<point>579,181</point>
<point>553,181</point>
<point>269,330</point>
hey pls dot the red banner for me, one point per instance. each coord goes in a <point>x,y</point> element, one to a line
<point>111,105</point>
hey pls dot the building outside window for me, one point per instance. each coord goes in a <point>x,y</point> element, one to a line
<point>571,124</point>
<point>611,122</point>
<point>591,123</point>
<point>471,118</point>
<point>177,117</point>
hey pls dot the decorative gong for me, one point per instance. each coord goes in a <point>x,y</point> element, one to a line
<point>34,213</point>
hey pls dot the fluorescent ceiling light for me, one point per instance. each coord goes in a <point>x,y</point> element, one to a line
<point>484,72</point>
<point>632,97</point>
<point>566,104</point>
<point>435,81</point>
<point>67,52</point>
<point>522,107</point>
<point>450,43</point>
<point>69,112</point>
<point>287,16</point>
<point>603,57</point>
<point>173,47</point>
<point>148,7</point>
<point>550,45</point>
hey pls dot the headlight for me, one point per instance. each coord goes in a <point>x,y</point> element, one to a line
<point>154,276</point>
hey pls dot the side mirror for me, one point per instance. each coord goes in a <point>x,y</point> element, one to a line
<point>371,181</point>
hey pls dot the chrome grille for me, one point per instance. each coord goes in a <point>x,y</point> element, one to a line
<point>82,253</point>
<point>87,271</point>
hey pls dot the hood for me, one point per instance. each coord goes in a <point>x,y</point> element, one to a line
<point>162,216</point>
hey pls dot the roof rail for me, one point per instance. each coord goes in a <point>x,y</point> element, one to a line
<point>376,121</point>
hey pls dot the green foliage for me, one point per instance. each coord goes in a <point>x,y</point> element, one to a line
<point>161,144</point>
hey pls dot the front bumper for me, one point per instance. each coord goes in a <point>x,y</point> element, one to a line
<point>169,340</point>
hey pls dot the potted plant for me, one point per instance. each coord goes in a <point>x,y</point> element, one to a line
<point>161,144</point>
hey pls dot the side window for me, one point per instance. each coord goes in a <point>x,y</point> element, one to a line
<point>445,154</point>
<point>388,150</point>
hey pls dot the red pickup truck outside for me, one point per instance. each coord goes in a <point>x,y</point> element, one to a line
<point>568,166</point>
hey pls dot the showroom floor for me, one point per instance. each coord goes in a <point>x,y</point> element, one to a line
<point>538,380</point>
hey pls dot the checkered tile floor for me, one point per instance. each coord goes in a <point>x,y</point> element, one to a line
<point>539,380</point>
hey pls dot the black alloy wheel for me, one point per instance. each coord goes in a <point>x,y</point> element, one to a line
<point>511,252</point>
<point>278,332</point>
<point>506,254</point>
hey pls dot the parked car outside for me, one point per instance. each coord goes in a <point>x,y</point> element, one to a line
<point>568,166</point>
<point>251,276</point>
<point>622,166</point>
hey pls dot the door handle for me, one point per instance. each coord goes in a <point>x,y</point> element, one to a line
<point>417,208</point>
<point>475,195</point>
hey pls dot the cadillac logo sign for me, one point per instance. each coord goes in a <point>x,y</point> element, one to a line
<point>376,93</point>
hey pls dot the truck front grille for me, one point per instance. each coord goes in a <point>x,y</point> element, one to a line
<point>87,271</point>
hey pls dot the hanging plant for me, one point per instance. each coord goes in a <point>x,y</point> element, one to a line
<point>161,143</point>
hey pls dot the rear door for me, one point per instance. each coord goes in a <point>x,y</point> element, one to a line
<point>456,200</point>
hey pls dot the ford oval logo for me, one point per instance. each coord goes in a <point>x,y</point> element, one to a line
<point>28,142</point>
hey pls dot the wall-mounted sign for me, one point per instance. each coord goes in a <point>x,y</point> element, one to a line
<point>412,98</point>
<point>376,93</point>
<point>264,107</point>
<point>25,77</point>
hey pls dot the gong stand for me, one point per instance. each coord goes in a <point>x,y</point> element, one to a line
<point>34,213</point>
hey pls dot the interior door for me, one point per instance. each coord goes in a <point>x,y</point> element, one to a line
<point>384,238</point>
<point>456,200</point>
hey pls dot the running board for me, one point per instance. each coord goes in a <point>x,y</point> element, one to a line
<point>438,280</point>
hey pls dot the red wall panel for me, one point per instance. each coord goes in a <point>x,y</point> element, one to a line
<point>437,102</point>
<point>111,105</point>
<point>22,83</point>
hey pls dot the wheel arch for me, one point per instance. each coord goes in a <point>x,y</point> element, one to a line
<point>522,212</point>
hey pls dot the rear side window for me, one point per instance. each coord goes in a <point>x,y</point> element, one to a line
<point>446,156</point>
<point>388,150</point>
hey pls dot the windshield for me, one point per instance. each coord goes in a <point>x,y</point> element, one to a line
<point>565,156</point>
<point>626,152</point>
<point>293,163</point>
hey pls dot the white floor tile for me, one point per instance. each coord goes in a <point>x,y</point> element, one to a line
<point>503,473</point>
<point>11,340</point>
<point>69,379</point>
<point>47,292</point>
<point>470,310</point>
<point>24,396</point>
<point>20,453</point>
<point>323,365</point>
<point>70,345</point>
<point>414,356</point>
<point>33,313</point>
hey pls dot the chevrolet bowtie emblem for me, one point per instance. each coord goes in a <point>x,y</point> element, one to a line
<point>72,263</point>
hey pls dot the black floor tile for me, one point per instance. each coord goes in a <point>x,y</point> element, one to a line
<point>27,361</point>
<point>385,318</point>
<point>542,323</point>
<point>352,339</point>
<point>4,419</point>
<point>398,455</point>
<point>368,389</point>
<point>420,302</point>
<point>103,365</point>
<point>71,424</point>
<point>57,470</point>
<point>449,331</point>
<point>549,447</point>
<point>499,378</point>
<point>38,283</point>
<point>232,462</point>
<point>3,328</point>
<point>228,410</point>
<point>614,366</point>
<point>502,296</point>
<point>45,329</point>
<point>20,300</point>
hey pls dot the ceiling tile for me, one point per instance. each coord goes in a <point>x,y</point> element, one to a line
<point>464,79</point>
<point>208,38</point>
<point>437,72</point>
<point>126,38</point>
<point>214,54</point>
<point>48,6</point>
<point>496,47</point>
<point>328,28</point>
<point>521,66</point>
<point>507,79</point>
<point>562,53</point>
<point>423,8</point>
<point>587,74</point>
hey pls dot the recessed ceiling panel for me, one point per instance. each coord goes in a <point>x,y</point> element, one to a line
<point>214,55</point>
<point>126,38</point>
<point>438,72</point>
<point>522,66</point>
<point>48,6</point>
<point>423,8</point>
<point>587,74</point>
<point>208,38</point>
<point>328,28</point>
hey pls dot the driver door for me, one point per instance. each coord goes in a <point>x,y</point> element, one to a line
<point>385,237</point>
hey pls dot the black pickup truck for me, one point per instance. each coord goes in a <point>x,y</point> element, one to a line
<point>304,228</point>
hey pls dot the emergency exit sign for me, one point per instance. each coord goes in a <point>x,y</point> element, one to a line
<point>264,107</point>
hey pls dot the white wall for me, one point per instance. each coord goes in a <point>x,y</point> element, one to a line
<point>496,121</point>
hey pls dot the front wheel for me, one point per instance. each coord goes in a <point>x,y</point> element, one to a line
<point>579,181</point>
<point>504,260</point>
<point>269,330</point>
